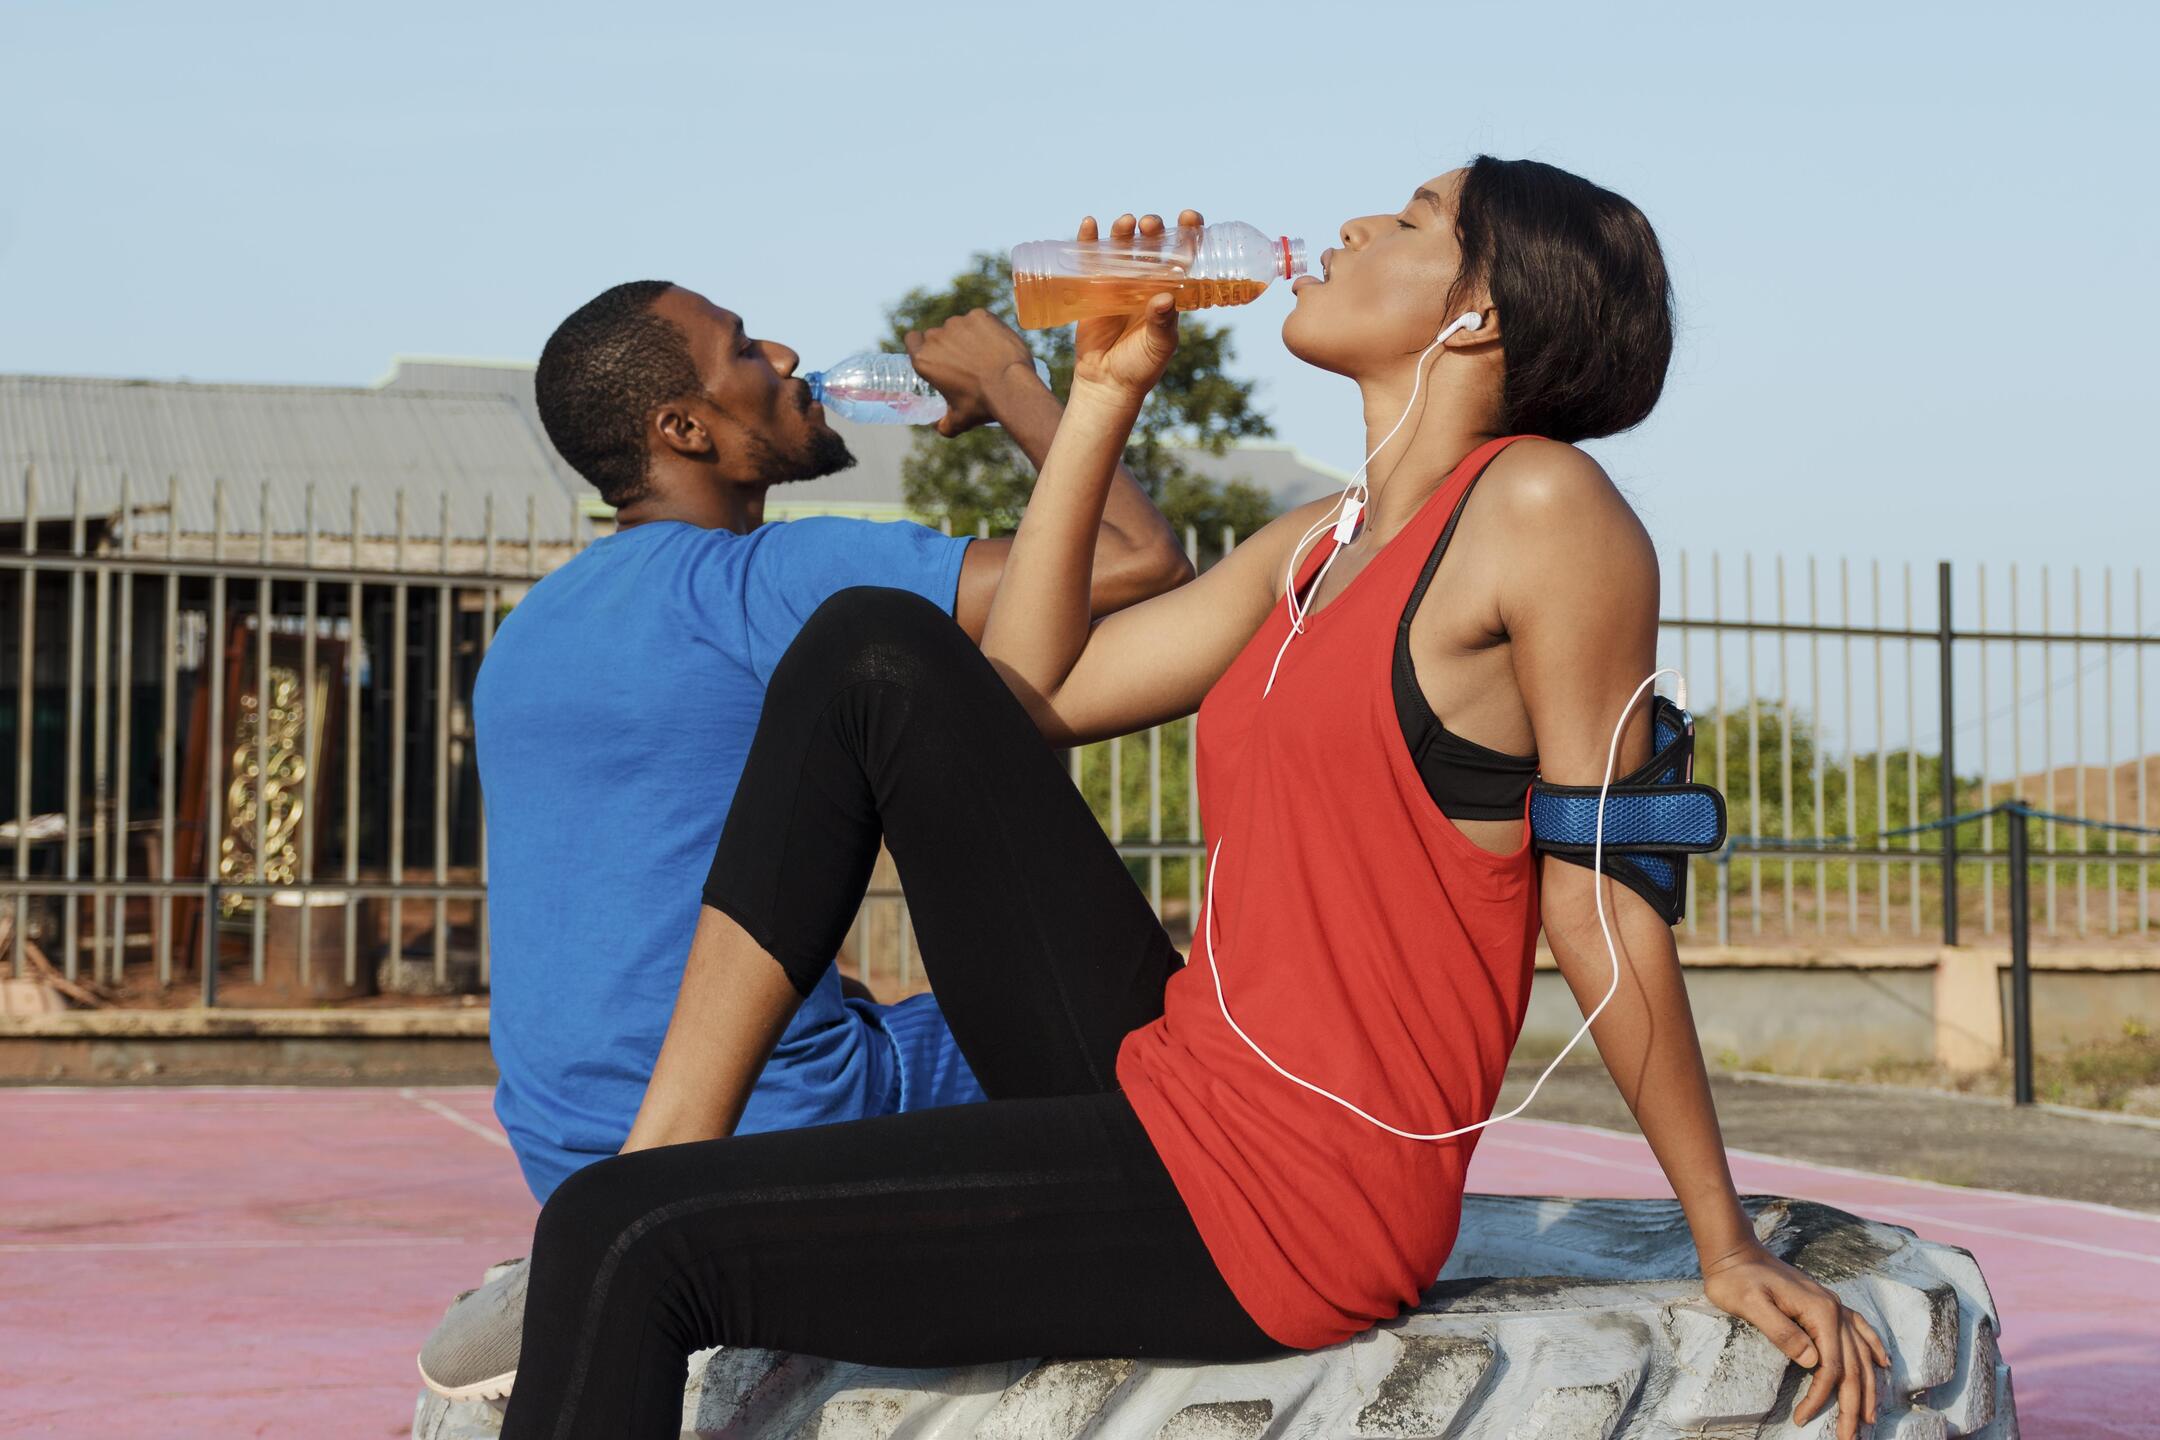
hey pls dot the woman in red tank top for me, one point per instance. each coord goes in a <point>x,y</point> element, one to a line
<point>1365,961</point>
<point>1365,958</point>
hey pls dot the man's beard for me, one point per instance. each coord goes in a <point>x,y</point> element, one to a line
<point>826,454</point>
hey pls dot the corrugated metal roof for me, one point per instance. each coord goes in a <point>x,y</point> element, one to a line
<point>874,478</point>
<point>468,428</point>
<point>511,379</point>
<point>1283,471</point>
<point>469,446</point>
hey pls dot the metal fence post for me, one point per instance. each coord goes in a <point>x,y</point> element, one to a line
<point>1949,752</point>
<point>25,723</point>
<point>1724,895</point>
<point>213,897</point>
<point>2020,958</point>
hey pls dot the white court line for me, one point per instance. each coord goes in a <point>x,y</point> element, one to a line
<point>463,1122</point>
<point>1950,1223</point>
<point>2029,1364</point>
<point>347,1242</point>
<point>345,1094</point>
<point>240,1107</point>
<point>1872,1207</point>
<point>341,1091</point>
<point>2013,1196</point>
<point>183,1089</point>
<point>1576,1155</point>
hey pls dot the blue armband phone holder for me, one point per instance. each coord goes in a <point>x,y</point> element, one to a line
<point>1655,817</point>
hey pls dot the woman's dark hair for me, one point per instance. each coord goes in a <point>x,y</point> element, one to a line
<point>1585,305</point>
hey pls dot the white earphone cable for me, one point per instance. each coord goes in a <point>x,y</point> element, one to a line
<point>1343,514</point>
<point>1597,890</point>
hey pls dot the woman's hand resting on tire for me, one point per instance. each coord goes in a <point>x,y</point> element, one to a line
<point>1807,1322</point>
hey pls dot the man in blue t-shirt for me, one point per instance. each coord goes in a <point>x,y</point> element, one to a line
<point>619,698</point>
<point>618,701</point>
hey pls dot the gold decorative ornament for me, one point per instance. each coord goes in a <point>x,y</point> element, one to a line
<point>277,791</point>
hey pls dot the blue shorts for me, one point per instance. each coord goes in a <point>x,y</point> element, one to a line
<point>928,1069</point>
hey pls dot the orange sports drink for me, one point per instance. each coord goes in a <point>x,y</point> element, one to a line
<point>1056,282</point>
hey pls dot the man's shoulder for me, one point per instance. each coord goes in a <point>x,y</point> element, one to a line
<point>650,560</point>
<point>832,549</point>
<point>823,532</point>
<point>621,591</point>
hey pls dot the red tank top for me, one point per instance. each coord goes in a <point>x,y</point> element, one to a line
<point>1365,943</point>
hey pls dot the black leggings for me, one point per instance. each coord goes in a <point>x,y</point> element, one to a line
<point>1040,1222</point>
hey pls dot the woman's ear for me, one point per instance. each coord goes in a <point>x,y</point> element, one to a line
<point>1486,331</point>
<point>681,431</point>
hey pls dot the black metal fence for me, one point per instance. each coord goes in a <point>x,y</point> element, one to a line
<point>1832,779</point>
<point>250,756</point>
<point>254,744</point>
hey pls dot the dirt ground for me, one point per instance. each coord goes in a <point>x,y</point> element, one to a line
<point>1952,1139</point>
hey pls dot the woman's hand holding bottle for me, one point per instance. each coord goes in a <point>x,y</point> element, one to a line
<point>1121,357</point>
<point>1039,619</point>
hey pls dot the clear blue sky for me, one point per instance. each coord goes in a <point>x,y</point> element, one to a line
<point>1914,244</point>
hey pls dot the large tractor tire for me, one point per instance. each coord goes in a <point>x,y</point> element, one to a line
<point>1555,1319</point>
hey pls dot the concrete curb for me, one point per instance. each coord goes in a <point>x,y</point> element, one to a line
<point>1995,1102</point>
<point>201,1046</point>
<point>198,1023</point>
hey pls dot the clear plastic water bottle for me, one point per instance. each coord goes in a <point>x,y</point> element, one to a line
<point>876,388</point>
<point>1056,282</point>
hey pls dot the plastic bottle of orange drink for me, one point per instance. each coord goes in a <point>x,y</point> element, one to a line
<point>1056,282</point>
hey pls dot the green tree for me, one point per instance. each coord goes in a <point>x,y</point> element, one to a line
<point>983,476</point>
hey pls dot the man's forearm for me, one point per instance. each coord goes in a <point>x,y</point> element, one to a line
<point>1646,1036</point>
<point>1135,539</point>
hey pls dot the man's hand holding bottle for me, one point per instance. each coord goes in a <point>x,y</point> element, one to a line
<point>974,360</point>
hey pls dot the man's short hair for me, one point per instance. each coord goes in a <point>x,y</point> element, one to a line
<point>602,372</point>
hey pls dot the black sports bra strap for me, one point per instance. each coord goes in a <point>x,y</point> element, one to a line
<point>1468,781</point>
<point>1432,561</point>
<point>1403,667</point>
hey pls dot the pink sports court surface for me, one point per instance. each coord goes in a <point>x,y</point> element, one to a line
<point>246,1262</point>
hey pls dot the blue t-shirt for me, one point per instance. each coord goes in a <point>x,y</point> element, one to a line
<point>613,714</point>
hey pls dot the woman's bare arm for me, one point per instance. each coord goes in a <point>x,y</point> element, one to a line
<point>732,1007</point>
<point>1081,679</point>
<point>1582,629</point>
<point>1581,619</point>
<point>986,374</point>
<point>1156,660</point>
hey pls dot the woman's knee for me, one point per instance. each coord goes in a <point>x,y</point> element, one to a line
<point>596,1209</point>
<point>598,1254</point>
<point>871,633</point>
<point>608,1228</point>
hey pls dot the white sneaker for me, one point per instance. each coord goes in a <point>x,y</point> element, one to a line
<point>473,1353</point>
